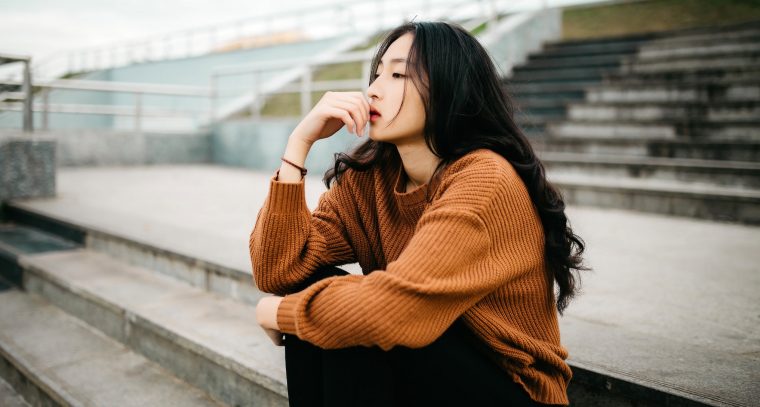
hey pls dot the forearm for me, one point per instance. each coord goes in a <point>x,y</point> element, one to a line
<point>296,151</point>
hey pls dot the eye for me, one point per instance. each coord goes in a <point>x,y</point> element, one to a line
<point>393,74</point>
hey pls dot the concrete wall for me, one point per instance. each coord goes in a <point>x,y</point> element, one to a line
<point>27,166</point>
<point>518,35</point>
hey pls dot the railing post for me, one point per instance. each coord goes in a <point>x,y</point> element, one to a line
<point>306,91</point>
<point>26,87</point>
<point>138,111</point>
<point>45,109</point>
<point>213,101</point>
<point>366,66</point>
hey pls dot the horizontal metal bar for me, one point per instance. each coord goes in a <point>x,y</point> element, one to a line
<point>12,96</point>
<point>323,86</point>
<point>290,62</point>
<point>128,87</point>
<point>103,110</point>
<point>6,58</point>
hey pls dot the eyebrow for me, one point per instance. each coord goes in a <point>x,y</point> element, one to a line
<point>394,60</point>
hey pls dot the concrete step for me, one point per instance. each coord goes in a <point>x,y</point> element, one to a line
<point>729,150</point>
<point>719,173</point>
<point>205,339</point>
<point>667,129</point>
<point>562,74</point>
<point>719,61</point>
<point>585,48</point>
<point>630,44</point>
<point>668,92</point>
<point>558,92</point>
<point>599,61</point>
<point>213,340</point>
<point>536,106</point>
<point>694,200</point>
<point>160,256</point>
<point>714,112</point>
<point>697,50</point>
<point>707,75</point>
<point>746,35</point>
<point>626,371</point>
<point>52,358</point>
<point>9,397</point>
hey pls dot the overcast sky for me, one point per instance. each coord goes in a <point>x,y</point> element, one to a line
<point>41,27</point>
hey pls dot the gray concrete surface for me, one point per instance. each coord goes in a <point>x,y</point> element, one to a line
<point>9,397</point>
<point>207,340</point>
<point>73,364</point>
<point>673,302</point>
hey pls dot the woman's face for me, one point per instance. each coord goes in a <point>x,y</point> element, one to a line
<point>387,92</point>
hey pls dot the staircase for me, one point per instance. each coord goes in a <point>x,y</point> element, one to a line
<point>666,123</point>
<point>91,318</point>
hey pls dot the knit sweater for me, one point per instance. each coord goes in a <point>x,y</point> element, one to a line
<point>475,251</point>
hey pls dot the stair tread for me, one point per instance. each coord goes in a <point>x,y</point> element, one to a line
<point>80,365</point>
<point>662,122</point>
<point>656,186</point>
<point>654,161</point>
<point>209,324</point>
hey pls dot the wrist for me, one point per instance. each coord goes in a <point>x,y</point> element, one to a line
<point>266,312</point>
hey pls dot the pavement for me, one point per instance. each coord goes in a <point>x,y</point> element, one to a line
<point>671,302</point>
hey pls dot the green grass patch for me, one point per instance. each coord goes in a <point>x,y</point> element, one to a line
<point>654,15</point>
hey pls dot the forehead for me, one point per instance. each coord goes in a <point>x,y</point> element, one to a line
<point>398,50</point>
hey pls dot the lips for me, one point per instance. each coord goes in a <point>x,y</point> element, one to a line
<point>373,112</point>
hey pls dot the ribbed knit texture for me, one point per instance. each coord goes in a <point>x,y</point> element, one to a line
<point>475,251</point>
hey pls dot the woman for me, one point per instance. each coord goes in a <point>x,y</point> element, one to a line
<point>460,237</point>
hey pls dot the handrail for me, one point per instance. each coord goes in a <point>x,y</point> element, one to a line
<point>307,65</point>
<point>26,88</point>
<point>304,67</point>
<point>138,89</point>
<point>128,87</point>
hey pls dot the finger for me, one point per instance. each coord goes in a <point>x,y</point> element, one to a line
<point>363,104</point>
<point>355,98</point>
<point>354,111</point>
<point>343,115</point>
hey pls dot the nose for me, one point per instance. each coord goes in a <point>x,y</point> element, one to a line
<point>372,92</point>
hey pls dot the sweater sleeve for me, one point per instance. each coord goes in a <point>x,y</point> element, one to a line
<point>288,242</point>
<point>446,268</point>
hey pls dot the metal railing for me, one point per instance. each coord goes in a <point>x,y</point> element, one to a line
<point>305,84</point>
<point>25,96</point>
<point>138,111</point>
<point>304,23</point>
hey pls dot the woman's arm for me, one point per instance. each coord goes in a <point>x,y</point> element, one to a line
<point>288,242</point>
<point>480,235</point>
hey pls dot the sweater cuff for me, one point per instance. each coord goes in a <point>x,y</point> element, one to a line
<point>286,314</point>
<point>287,196</point>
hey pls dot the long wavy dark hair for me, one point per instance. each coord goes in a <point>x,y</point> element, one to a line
<point>467,109</point>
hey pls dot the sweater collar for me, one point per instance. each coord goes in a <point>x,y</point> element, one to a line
<point>409,199</point>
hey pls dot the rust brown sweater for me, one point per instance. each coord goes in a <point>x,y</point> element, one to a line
<point>476,251</point>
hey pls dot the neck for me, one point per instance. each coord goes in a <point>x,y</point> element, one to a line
<point>418,161</point>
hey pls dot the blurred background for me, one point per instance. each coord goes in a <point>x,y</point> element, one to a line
<point>137,141</point>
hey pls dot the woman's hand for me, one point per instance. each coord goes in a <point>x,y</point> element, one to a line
<point>266,315</point>
<point>334,110</point>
